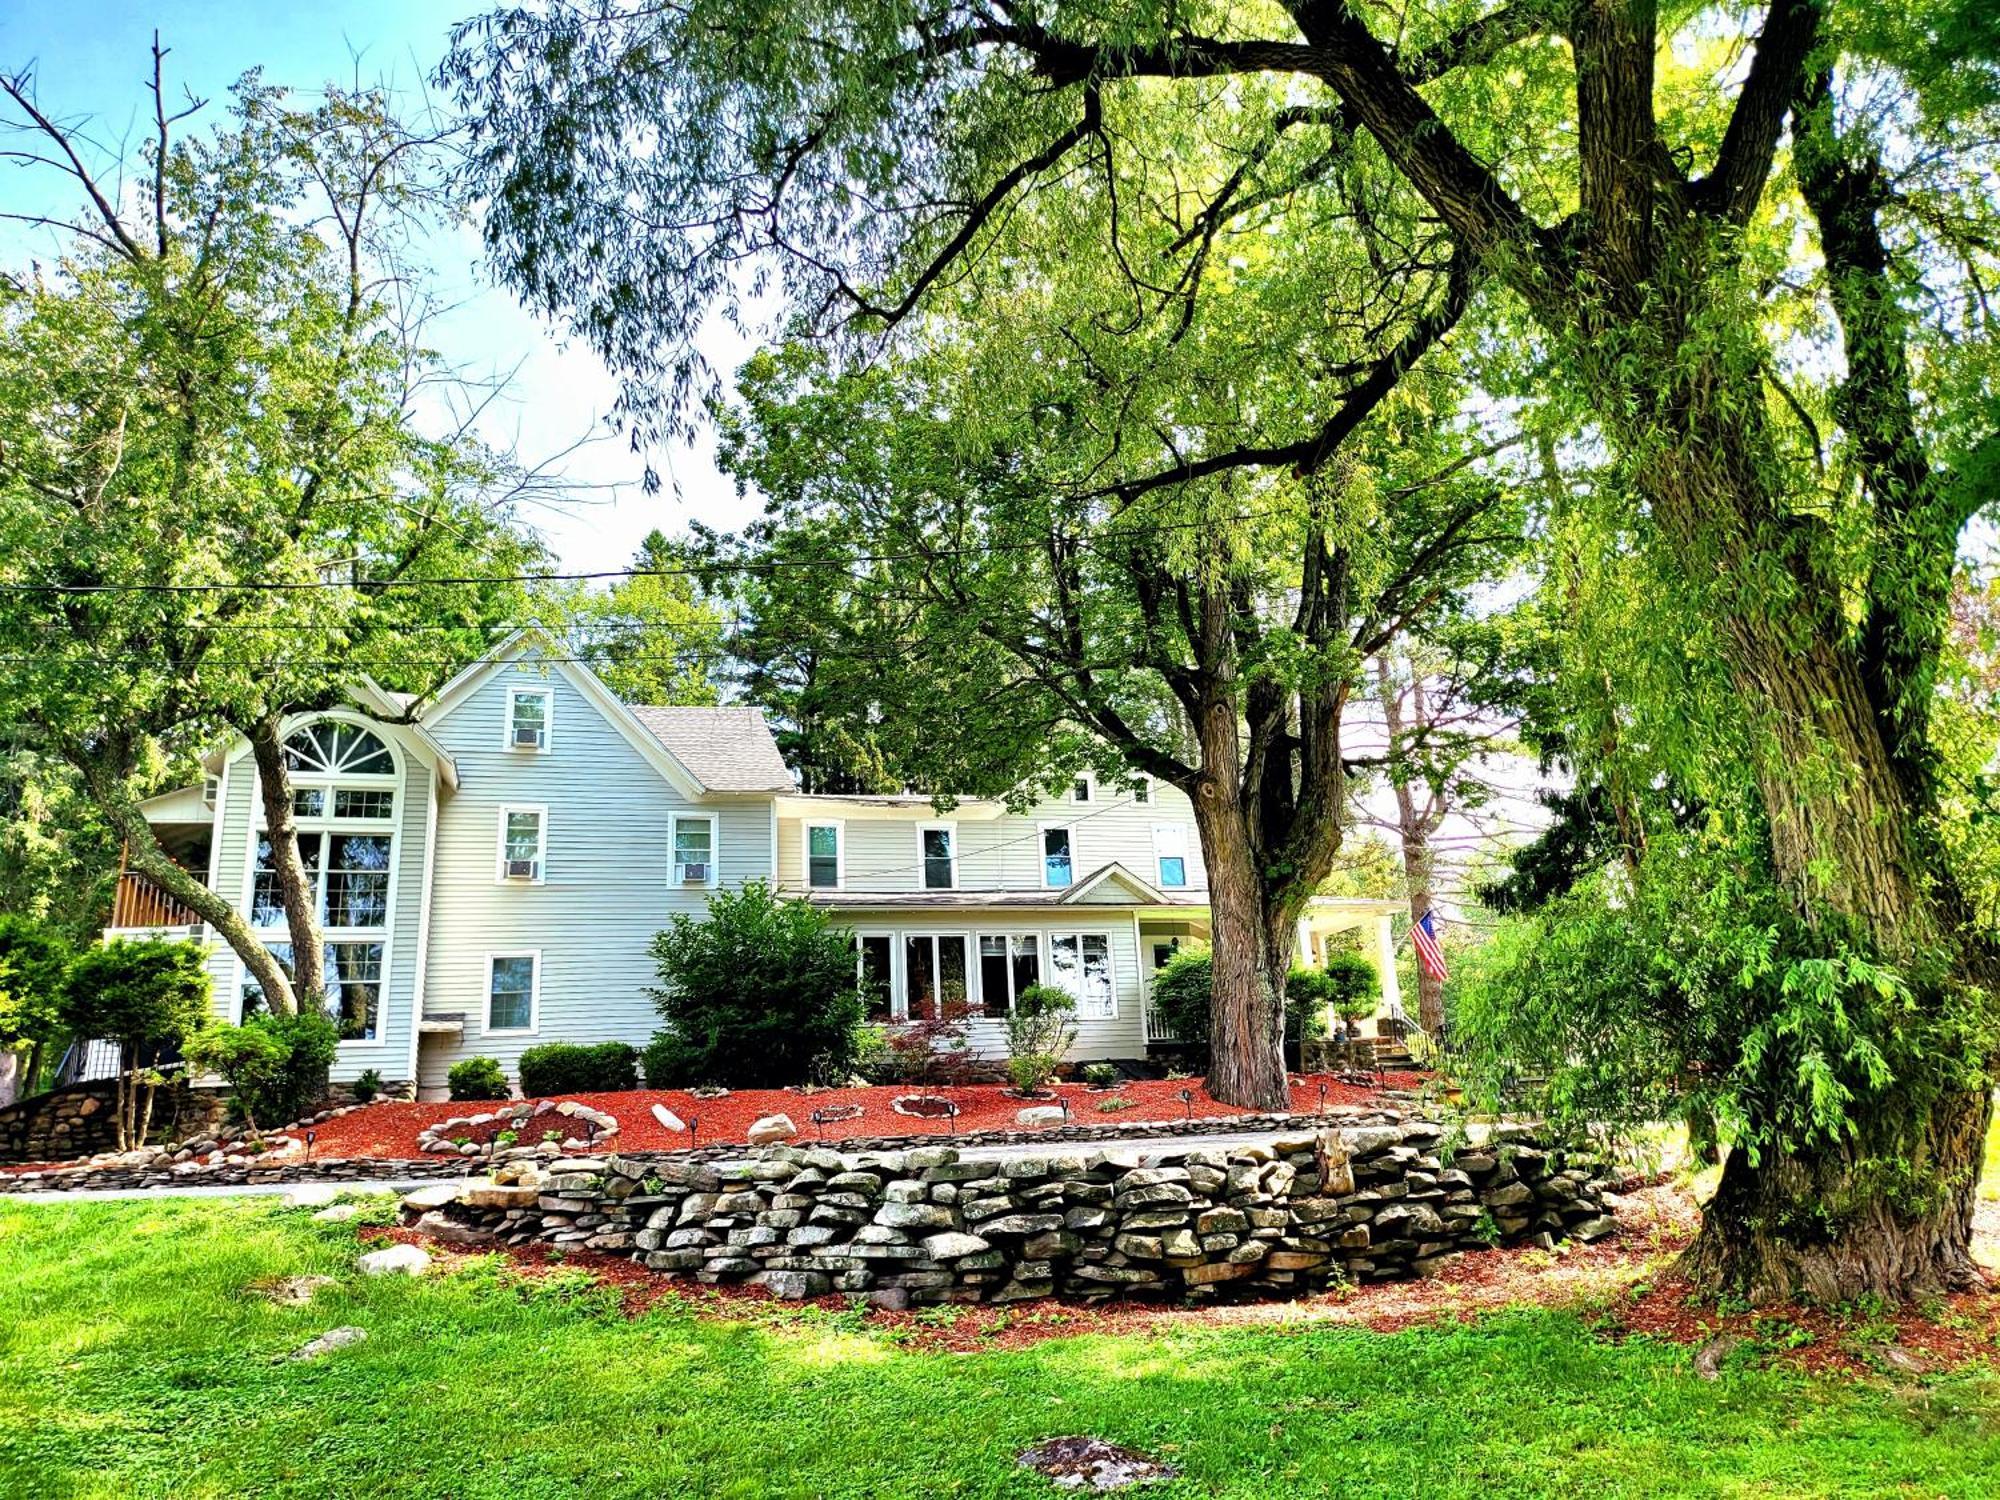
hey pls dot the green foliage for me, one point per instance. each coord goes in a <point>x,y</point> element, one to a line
<point>367,1085</point>
<point>566,1068</point>
<point>34,964</point>
<point>1040,1031</point>
<point>276,1066</point>
<point>476,1078</point>
<point>760,991</point>
<point>1184,988</point>
<point>652,636</point>
<point>140,994</point>
<point>1348,982</point>
<point>1098,1074</point>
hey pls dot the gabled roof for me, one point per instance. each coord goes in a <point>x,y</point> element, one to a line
<point>727,749</point>
<point>1147,893</point>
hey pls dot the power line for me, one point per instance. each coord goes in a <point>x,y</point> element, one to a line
<point>764,566</point>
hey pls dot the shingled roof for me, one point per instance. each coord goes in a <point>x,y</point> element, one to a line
<point>725,749</point>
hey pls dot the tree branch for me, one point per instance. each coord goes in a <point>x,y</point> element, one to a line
<point>1732,188</point>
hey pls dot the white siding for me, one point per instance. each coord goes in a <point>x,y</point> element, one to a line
<point>1004,853</point>
<point>605,887</point>
<point>1122,1035</point>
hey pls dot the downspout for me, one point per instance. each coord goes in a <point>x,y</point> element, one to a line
<point>424,928</point>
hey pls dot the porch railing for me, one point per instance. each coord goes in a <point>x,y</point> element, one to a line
<point>138,903</point>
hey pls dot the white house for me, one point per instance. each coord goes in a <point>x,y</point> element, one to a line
<point>492,873</point>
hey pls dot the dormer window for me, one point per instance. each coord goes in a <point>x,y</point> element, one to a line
<point>528,715</point>
<point>522,842</point>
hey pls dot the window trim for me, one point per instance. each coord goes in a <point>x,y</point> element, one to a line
<point>890,936</point>
<point>506,810</point>
<point>1082,781</point>
<point>839,827</point>
<point>899,999</point>
<point>1010,936</point>
<point>923,874</point>
<point>674,821</point>
<point>1110,965</point>
<point>1042,832</point>
<point>378,938</point>
<point>547,693</point>
<point>534,1027</point>
<point>1160,856</point>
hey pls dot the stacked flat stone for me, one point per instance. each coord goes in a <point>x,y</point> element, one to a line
<point>924,1226</point>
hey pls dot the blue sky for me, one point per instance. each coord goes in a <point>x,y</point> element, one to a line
<point>91,59</point>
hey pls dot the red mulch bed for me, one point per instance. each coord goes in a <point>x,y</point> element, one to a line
<point>390,1130</point>
<point>1625,1282</point>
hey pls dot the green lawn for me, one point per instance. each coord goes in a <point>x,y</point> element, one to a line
<point>134,1363</point>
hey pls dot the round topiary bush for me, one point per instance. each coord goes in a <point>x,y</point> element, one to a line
<point>477,1078</point>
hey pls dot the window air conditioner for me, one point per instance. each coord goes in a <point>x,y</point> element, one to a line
<point>694,874</point>
<point>527,736</point>
<point>520,869</point>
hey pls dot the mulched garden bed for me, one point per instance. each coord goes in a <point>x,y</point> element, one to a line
<point>390,1131</point>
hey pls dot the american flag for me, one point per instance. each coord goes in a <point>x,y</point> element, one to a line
<point>1429,954</point>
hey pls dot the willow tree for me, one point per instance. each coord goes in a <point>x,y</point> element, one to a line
<point>225,484</point>
<point>1608,166</point>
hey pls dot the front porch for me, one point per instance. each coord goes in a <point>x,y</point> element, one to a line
<point>1321,932</point>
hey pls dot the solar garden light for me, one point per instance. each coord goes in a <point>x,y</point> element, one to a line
<point>1187,1102</point>
<point>1322,1098</point>
<point>1063,1100</point>
<point>694,1130</point>
<point>819,1123</point>
<point>311,1136</point>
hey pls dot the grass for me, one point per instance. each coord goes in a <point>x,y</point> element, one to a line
<point>135,1361</point>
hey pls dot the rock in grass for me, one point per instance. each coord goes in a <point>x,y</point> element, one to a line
<point>291,1291</point>
<point>337,1213</point>
<point>326,1343</point>
<point>1076,1463</point>
<point>395,1260</point>
<point>311,1195</point>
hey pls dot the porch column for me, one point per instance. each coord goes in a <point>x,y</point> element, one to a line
<point>1385,964</point>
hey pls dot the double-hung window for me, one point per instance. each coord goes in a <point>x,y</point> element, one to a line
<point>934,976</point>
<point>823,856</point>
<point>1008,964</point>
<point>529,712</point>
<point>937,846</point>
<point>523,844</point>
<point>1079,790</point>
<point>513,992</point>
<point>1080,964</point>
<point>1058,869</point>
<point>1142,790</point>
<point>875,964</point>
<point>1170,854</point>
<point>693,838</point>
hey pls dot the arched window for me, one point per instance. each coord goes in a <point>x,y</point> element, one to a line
<point>330,747</point>
<point>344,807</point>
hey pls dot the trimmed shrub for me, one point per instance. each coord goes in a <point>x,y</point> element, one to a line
<point>567,1068</point>
<point>759,993</point>
<point>146,996</point>
<point>1040,1030</point>
<point>1182,991</point>
<point>476,1078</point>
<point>1353,986</point>
<point>275,1066</point>
<point>367,1086</point>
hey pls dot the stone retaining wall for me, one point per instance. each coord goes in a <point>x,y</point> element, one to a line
<point>924,1226</point>
<point>78,1120</point>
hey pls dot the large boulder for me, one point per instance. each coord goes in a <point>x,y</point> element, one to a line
<point>772,1129</point>
<point>395,1260</point>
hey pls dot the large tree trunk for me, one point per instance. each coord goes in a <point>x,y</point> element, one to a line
<point>1817,1223</point>
<point>296,889</point>
<point>1887,1212</point>
<point>1252,955</point>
